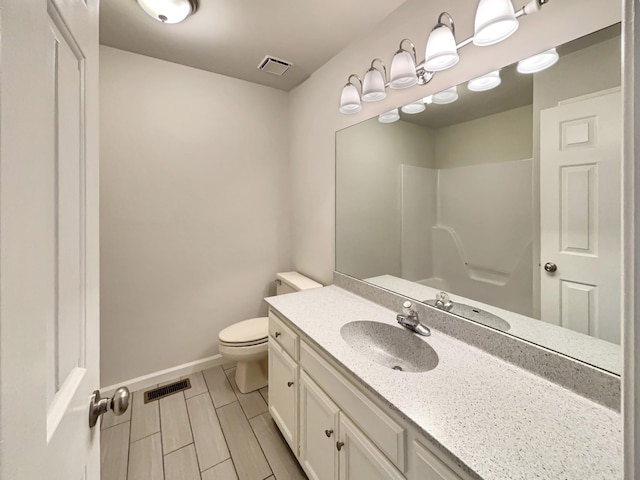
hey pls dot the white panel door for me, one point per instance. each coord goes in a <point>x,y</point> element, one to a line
<point>283,393</point>
<point>319,423</point>
<point>359,458</point>
<point>580,215</point>
<point>49,270</point>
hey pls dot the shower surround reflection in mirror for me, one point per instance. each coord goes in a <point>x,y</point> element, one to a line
<point>476,197</point>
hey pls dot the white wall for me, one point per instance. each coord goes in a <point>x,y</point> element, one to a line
<point>194,209</point>
<point>368,224</point>
<point>314,116</point>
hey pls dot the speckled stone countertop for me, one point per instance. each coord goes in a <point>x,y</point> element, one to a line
<point>493,418</point>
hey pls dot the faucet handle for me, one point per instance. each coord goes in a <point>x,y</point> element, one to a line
<point>406,308</point>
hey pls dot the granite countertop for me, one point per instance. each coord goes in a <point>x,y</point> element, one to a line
<point>605,355</point>
<point>493,418</point>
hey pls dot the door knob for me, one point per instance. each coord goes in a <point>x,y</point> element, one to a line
<point>99,406</point>
<point>550,267</point>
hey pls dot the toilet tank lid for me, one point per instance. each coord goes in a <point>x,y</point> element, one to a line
<point>246,331</point>
<point>297,281</point>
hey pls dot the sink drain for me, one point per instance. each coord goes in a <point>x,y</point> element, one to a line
<point>397,367</point>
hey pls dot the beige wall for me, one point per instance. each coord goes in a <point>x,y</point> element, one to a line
<point>368,175</point>
<point>314,116</point>
<point>194,209</point>
<point>501,137</point>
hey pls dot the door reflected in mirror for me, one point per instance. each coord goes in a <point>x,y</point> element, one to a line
<point>508,199</point>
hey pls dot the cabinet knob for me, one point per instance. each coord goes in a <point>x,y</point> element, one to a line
<point>328,433</point>
<point>289,384</point>
<point>278,334</point>
<point>339,445</point>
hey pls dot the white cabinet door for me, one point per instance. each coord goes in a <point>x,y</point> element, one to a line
<point>319,423</point>
<point>359,458</point>
<point>283,393</point>
<point>427,466</point>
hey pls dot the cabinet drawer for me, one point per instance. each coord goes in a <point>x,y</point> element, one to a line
<point>283,335</point>
<point>387,435</point>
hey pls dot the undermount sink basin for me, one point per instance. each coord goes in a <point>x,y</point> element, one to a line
<point>477,315</point>
<point>390,346</point>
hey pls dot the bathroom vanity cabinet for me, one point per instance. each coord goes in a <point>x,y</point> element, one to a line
<point>336,429</point>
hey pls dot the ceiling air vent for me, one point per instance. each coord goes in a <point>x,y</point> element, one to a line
<point>274,65</point>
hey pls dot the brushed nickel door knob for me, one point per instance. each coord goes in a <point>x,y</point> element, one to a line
<point>550,267</point>
<point>99,406</point>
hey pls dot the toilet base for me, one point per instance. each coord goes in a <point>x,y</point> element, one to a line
<point>252,375</point>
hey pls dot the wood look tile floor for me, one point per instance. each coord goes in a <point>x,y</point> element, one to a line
<point>209,432</point>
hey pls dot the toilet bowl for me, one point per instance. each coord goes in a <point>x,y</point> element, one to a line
<point>247,342</point>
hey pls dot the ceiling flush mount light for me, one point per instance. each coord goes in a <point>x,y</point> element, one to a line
<point>414,107</point>
<point>538,62</point>
<point>374,83</point>
<point>441,52</point>
<point>485,82</point>
<point>449,95</point>
<point>169,11</point>
<point>495,21</point>
<point>403,67</point>
<point>389,117</point>
<point>350,98</point>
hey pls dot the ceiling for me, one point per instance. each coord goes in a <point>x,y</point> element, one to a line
<point>231,37</point>
<point>516,90</point>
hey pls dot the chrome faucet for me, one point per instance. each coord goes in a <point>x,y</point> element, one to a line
<point>443,302</point>
<point>409,319</point>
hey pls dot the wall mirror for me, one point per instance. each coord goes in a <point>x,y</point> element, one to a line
<point>507,199</point>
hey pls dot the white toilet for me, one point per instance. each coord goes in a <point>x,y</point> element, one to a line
<point>246,342</point>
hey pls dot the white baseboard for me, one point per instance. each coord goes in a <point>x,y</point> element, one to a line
<point>152,379</point>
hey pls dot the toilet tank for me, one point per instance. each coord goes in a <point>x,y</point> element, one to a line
<point>289,282</point>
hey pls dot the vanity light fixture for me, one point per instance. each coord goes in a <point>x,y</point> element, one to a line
<point>495,21</point>
<point>449,95</point>
<point>389,117</point>
<point>485,82</point>
<point>350,98</point>
<point>403,67</point>
<point>441,52</point>
<point>414,107</point>
<point>373,85</point>
<point>538,62</point>
<point>169,11</point>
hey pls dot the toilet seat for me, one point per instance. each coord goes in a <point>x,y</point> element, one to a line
<point>254,331</point>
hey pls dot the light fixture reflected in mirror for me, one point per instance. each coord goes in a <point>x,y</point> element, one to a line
<point>449,95</point>
<point>389,117</point>
<point>485,82</point>
<point>495,21</point>
<point>538,62</point>
<point>414,107</point>
<point>441,52</point>
<point>403,67</point>
<point>350,97</point>
<point>373,85</point>
<point>168,11</point>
